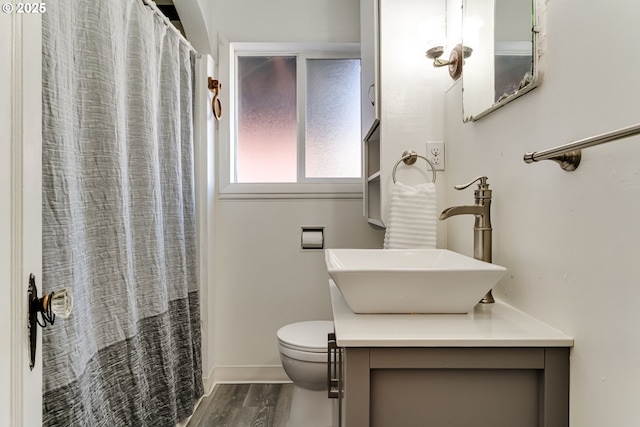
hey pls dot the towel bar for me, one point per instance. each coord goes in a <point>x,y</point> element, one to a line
<point>568,155</point>
<point>409,158</point>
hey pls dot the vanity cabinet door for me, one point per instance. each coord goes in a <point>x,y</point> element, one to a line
<point>369,63</point>
<point>444,387</point>
<point>370,109</point>
<point>454,397</point>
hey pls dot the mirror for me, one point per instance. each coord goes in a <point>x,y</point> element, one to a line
<point>503,35</point>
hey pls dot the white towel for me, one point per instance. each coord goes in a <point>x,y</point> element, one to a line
<point>412,217</point>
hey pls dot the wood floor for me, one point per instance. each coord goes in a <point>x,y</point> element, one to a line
<point>244,405</point>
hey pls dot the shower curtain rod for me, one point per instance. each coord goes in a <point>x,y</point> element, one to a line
<point>166,20</point>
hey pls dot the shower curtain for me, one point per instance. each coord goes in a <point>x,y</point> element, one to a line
<point>119,217</point>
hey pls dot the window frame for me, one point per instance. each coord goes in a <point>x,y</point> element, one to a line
<point>304,187</point>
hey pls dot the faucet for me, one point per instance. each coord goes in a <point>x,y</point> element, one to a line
<point>482,227</point>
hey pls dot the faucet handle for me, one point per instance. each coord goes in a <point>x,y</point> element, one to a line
<point>481,185</point>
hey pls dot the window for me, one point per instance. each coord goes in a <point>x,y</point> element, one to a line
<point>296,127</point>
<point>332,139</point>
<point>266,137</point>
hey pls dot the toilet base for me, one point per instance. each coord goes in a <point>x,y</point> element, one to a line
<point>310,408</point>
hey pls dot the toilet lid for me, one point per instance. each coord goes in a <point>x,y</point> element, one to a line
<point>306,336</point>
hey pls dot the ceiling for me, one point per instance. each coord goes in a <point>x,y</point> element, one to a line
<point>168,8</point>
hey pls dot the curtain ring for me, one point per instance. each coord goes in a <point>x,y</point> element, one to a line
<point>216,104</point>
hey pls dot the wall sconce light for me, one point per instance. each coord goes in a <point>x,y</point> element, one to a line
<point>456,59</point>
<point>58,303</point>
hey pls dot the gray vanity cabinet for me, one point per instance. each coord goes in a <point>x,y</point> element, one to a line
<point>455,387</point>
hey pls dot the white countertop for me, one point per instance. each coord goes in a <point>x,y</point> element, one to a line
<point>489,325</point>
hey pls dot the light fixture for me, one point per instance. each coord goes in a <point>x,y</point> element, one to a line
<point>456,58</point>
<point>57,303</point>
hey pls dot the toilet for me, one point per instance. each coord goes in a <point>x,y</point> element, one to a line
<point>303,352</point>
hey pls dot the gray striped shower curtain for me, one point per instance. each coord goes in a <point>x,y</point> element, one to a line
<point>119,217</point>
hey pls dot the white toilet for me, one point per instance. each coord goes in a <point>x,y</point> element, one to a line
<point>303,352</point>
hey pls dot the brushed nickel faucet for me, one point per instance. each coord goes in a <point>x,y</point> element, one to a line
<point>482,227</point>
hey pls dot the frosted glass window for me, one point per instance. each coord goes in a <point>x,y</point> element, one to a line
<point>266,142</point>
<point>298,118</point>
<point>332,142</point>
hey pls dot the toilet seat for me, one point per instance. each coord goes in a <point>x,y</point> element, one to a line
<point>306,341</point>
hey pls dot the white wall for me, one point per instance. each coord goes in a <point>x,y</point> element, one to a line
<point>284,21</point>
<point>263,279</point>
<point>412,95</point>
<point>570,240</point>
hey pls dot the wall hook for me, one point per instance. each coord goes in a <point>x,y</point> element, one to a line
<point>216,105</point>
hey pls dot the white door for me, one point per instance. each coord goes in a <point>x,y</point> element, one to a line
<point>20,212</point>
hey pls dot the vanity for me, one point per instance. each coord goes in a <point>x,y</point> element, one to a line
<point>494,366</point>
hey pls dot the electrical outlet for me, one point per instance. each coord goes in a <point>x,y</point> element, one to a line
<point>435,154</point>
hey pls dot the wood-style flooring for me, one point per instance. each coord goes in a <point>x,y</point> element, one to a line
<point>244,405</point>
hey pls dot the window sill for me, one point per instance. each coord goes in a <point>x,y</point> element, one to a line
<point>291,191</point>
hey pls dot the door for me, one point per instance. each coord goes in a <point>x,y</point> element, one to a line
<point>20,211</point>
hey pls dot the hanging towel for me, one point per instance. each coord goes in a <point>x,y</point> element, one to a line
<point>412,217</point>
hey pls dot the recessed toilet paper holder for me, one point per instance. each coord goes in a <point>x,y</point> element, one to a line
<point>312,237</point>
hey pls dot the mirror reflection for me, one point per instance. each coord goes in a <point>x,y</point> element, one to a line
<point>503,65</point>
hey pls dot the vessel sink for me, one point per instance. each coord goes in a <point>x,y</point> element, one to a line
<point>410,280</point>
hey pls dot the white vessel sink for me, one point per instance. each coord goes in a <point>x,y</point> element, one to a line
<point>410,280</point>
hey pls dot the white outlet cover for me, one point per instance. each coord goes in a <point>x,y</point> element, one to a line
<point>435,154</point>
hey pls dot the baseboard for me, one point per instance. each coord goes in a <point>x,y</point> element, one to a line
<point>250,374</point>
<point>208,381</point>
